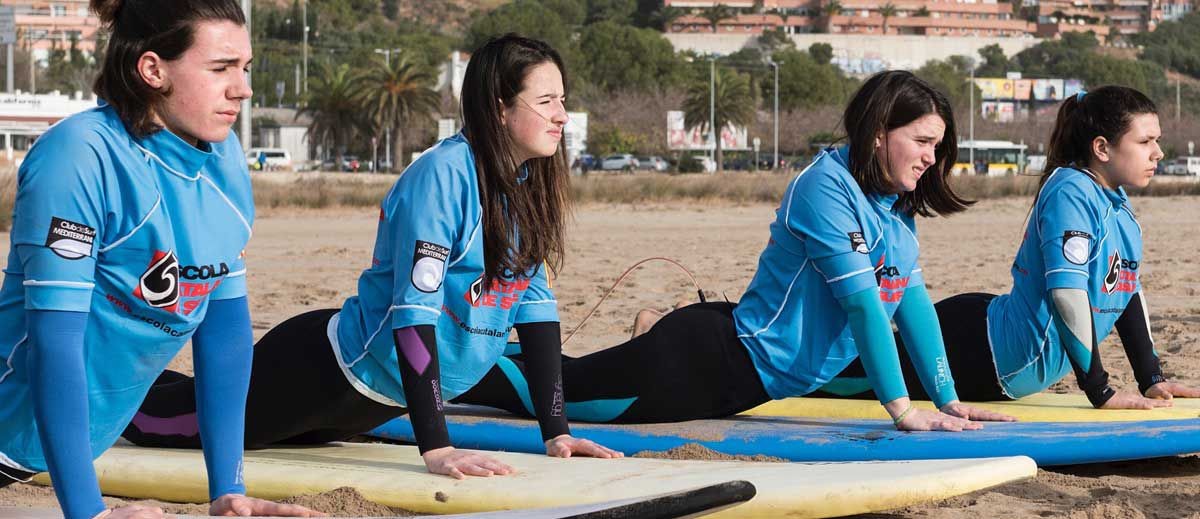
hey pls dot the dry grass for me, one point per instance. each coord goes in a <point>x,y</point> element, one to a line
<point>321,192</point>
<point>8,192</point>
<point>769,188</point>
<point>318,193</point>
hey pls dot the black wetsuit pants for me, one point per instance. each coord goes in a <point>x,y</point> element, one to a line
<point>690,365</point>
<point>298,395</point>
<point>963,319</point>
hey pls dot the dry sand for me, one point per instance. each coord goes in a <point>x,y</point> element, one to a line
<point>303,260</point>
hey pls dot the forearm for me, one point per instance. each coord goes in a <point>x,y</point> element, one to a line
<point>872,333</point>
<point>542,347</point>
<point>1072,317</point>
<point>1134,329</point>
<point>922,334</point>
<point>60,405</point>
<point>223,349</point>
<point>416,348</point>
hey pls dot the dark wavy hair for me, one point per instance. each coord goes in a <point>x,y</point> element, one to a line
<point>890,100</point>
<point>1104,112</point>
<point>536,205</point>
<point>136,27</point>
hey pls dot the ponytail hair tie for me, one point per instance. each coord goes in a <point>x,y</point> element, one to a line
<point>1079,96</point>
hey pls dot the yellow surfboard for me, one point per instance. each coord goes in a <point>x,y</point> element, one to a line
<point>395,475</point>
<point>1042,407</point>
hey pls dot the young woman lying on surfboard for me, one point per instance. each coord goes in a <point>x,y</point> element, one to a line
<point>840,267</point>
<point>127,235</point>
<point>1076,276</point>
<point>461,253</point>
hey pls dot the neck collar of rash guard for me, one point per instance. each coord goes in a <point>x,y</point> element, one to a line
<point>176,154</point>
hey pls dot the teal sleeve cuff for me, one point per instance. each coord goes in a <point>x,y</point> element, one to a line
<point>872,333</point>
<point>922,335</point>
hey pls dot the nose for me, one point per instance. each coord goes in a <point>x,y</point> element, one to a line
<point>559,116</point>
<point>929,157</point>
<point>240,89</point>
<point>1158,153</point>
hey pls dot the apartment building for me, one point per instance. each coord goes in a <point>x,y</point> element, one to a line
<point>980,18</point>
<point>42,25</point>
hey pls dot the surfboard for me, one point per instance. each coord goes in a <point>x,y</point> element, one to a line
<point>687,503</point>
<point>394,475</point>
<point>822,439</point>
<point>1042,407</point>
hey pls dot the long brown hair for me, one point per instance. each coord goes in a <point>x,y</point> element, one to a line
<point>525,206</point>
<point>890,100</point>
<point>166,28</point>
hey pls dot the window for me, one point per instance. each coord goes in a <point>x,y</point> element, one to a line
<point>58,10</point>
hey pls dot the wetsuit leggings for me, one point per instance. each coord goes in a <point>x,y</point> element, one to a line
<point>963,319</point>
<point>9,475</point>
<point>298,395</point>
<point>690,365</point>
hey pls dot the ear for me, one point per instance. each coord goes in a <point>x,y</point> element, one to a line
<point>503,112</point>
<point>1101,149</point>
<point>150,68</point>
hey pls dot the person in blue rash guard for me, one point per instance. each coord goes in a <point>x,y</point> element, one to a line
<point>1077,273</point>
<point>840,266</point>
<point>461,257</point>
<point>129,224</point>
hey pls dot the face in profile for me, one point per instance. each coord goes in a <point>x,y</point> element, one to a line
<point>908,151</point>
<point>535,118</point>
<point>1131,161</point>
<point>207,83</point>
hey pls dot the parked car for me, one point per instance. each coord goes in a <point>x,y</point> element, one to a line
<point>619,162</point>
<point>351,163</point>
<point>585,162</point>
<point>1183,166</point>
<point>275,159</point>
<point>653,163</point>
<point>710,165</point>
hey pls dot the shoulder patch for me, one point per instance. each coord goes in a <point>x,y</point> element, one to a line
<point>429,266</point>
<point>1076,245</point>
<point>858,243</point>
<point>69,239</point>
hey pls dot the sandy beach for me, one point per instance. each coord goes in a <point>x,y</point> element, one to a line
<point>301,260</point>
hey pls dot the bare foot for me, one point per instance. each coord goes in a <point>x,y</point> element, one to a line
<point>646,319</point>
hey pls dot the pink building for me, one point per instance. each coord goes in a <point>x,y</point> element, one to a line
<point>43,24</point>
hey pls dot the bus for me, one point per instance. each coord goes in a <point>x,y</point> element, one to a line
<point>992,158</point>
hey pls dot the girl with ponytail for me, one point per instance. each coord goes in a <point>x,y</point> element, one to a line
<point>117,209</point>
<point>1077,274</point>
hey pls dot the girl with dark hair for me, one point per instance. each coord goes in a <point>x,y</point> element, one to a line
<point>128,229</point>
<point>840,266</point>
<point>462,255</point>
<point>1076,276</point>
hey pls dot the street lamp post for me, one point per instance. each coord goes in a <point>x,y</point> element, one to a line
<point>247,139</point>
<point>971,131</point>
<point>304,39</point>
<point>712,108</point>
<point>387,145</point>
<point>775,65</point>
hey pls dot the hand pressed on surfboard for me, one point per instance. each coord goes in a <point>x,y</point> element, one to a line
<point>1169,390</point>
<point>564,446</point>
<point>459,463</point>
<point>236,505</point>
<point>961,410</point>
<point>1127,400</point>
<point>908,417</point>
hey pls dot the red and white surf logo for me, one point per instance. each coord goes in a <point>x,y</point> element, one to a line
<point>159,284</point>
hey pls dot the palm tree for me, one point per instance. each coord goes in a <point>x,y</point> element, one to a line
<point>665,16</point>
<point>831,9</point>
<point>731,98</point>
<point>396,92</point>
<point>887,11</point>
<point>716,14</point>
<point>336,116</point>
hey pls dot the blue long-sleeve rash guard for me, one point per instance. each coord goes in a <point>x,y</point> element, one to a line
<point>222,347</point>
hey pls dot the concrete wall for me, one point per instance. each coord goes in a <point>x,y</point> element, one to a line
<point>858,54</point>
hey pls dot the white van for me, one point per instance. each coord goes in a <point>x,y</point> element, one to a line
<point>1184,166</point>
<point>277,159</point>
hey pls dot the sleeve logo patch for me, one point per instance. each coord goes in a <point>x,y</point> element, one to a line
<point>1076,245</point>
<point>69,239</point>
<point>858,243</point>
<point>429,266</point>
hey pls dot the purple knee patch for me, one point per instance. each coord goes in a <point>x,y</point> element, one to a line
<point>414,349</point>
<point>182,425</point>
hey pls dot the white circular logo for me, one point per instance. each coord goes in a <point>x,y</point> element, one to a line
<point>427,274</point>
